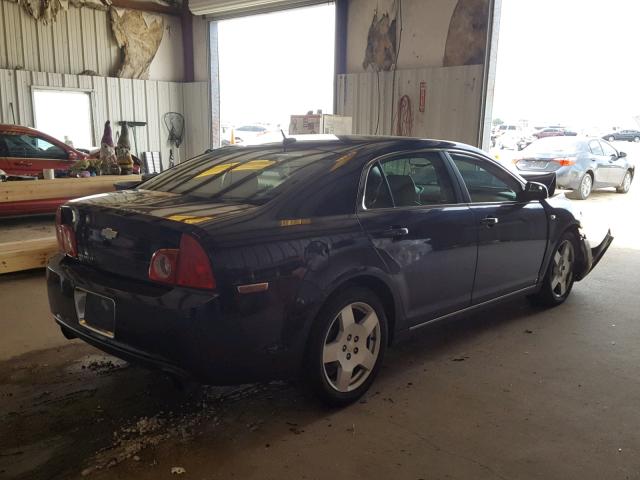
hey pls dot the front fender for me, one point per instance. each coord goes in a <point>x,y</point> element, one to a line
<point>591,256</point>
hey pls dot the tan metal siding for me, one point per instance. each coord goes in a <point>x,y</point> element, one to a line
<point>79,39</point>
<point>452,102</point>
<point>118,99</point>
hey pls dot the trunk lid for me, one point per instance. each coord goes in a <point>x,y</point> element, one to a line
<point>119,232</point>
<point>539,163</point>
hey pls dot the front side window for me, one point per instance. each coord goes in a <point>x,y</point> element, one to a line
<point>595,147</point>
<point>608,150</point>
<point>29,146</point>
<point>483,184</point>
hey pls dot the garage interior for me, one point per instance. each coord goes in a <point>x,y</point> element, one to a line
<point>512,392</point>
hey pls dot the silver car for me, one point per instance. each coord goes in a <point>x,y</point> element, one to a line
<point>581,164</point>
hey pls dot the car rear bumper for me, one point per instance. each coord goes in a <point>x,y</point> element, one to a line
<point>181,331</point>
<point>566,177</point>
<point>593,255</point>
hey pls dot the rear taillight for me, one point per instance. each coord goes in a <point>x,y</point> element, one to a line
<point>66,236</point>
<point>187,266</point>
<point>565,162</point>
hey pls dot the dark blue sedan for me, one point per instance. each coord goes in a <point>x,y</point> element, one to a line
<point>307,257</point>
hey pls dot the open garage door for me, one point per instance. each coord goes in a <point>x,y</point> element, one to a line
<point>260,80</point>
<point>220,9</point>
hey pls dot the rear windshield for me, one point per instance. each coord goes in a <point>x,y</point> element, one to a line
<point>239,175</point>
<point>553,146</point>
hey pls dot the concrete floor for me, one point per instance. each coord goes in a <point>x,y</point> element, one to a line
<point>513,392</point>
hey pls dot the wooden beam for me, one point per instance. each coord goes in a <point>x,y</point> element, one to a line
<point>60,187</point>
<point>340,46</point>
<point>26,254</point>
<point>150,7</point>
<point>187,41</point>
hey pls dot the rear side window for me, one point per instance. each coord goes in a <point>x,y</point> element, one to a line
<point>421,179</point>
<point>376,192</point>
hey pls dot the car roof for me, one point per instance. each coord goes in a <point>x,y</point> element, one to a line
<point>337,142</point>
<point>6,127</point>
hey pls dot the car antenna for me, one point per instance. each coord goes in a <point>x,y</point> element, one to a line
<point>286,140</point>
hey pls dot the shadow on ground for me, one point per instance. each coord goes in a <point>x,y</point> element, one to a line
<point>73,410</point>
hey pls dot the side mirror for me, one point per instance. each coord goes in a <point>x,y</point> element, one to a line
<point>72,156</point>
<point>621,154</point>
<point>534,191</point>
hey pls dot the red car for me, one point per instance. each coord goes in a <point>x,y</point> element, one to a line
<point>26,152</point>
<point>554,132</point>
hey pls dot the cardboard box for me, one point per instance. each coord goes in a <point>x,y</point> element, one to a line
<point>315,124</point>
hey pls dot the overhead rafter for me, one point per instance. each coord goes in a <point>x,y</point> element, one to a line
<point>151,7</point>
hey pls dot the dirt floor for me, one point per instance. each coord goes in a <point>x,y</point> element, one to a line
<point>16,229</point>
<point>513,392</point>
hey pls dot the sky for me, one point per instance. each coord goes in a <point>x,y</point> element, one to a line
<point>285,67</point>
<point>572,62</point>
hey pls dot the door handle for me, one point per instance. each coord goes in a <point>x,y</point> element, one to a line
<point>25,164</point>
<point>489,221</point>
<point>394,232</point>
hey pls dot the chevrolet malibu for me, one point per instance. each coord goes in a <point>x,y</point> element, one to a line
<point>307,258</point>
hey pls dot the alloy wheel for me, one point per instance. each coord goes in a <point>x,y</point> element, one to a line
<point>626,182</point>
<point>636,139</point>
<point>611,139</point>
<point>351,347</point>
<point>585,187</point>
<point>562,275</point>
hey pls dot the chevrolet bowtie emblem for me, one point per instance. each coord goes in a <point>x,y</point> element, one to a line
<point>108,233</point>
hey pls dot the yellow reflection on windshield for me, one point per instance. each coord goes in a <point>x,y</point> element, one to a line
<point>217,169</point>
<point>254,165</point>
<point>237,167</point>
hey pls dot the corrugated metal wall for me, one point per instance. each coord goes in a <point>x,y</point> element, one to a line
<point>119,99</point>
<point>452,104</point>
<point>80,39</point>
<point>198,115</point>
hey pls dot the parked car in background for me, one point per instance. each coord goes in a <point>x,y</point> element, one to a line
<point>580,164</point>
<point>307,258</point>
<point>554,132</point>
<point>627,135</point>
<point>25,152</point>
<point>249,133</point>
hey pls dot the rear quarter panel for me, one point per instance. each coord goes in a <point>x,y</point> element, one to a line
<point>303,262</point>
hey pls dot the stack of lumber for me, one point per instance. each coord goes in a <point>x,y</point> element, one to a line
<point>32,253</point>
<point>60,187</point>
<point>26,254</point>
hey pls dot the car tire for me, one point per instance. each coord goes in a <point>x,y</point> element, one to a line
<point>351,328</point>
<point>560,276</point>
<point>626,183</point>
<point>611,138</point>
<point>584,188</point>
<point>636,139</point>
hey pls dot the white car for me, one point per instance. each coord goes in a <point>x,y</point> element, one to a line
<point>249,133</point>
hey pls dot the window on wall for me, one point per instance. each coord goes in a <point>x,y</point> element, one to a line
<point>284,66</point>
<point>65,115</point>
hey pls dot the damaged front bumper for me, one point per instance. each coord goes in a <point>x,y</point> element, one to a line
<point>591,256</point>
